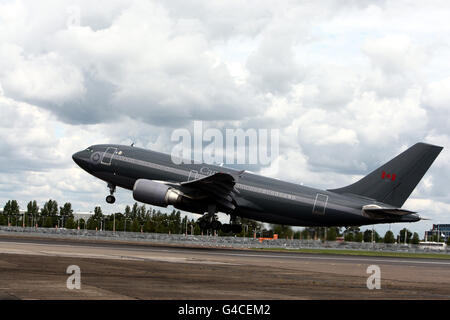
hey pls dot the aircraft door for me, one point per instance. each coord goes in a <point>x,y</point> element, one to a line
<point>320,204</point>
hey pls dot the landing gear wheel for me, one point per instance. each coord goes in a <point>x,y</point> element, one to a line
<point>112,188</point>
<point>110,199</point>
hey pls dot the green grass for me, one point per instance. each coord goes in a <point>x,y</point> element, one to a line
<point>361,253</point>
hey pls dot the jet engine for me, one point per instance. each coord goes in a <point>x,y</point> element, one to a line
<point>156,193</point>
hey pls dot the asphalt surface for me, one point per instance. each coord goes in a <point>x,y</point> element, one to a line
<point>35,268</point>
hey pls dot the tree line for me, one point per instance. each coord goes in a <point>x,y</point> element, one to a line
<point>136,218</point>
<point>139,218</point>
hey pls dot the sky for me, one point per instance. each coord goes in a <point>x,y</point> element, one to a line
<point>348,84</point>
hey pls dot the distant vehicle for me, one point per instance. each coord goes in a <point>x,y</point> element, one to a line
<point>203,188</point>
<point>433,245</point>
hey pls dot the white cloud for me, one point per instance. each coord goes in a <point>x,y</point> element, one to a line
<point>394,54</point>
<point>45,77</point>
<point>437,95</point>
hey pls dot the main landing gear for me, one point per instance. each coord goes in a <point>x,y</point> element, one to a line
<point>209,221</point>
<point>111,199</point>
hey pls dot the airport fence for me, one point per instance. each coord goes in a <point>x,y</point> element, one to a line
<point>215,241</point>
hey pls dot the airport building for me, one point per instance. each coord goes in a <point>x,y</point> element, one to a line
<point>441,230</point>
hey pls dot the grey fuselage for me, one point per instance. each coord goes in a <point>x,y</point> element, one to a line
<point>259,198</point>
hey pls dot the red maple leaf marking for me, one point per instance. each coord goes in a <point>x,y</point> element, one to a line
<point>388,175</point>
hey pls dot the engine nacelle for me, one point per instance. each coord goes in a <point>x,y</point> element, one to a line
<point>155,193</point>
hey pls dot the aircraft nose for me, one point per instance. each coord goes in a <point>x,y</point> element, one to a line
<point>81,159</point>
<point>77,157</point>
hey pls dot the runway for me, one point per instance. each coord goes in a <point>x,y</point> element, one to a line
<point>34,268</point>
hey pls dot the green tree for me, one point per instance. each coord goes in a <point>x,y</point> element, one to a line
<point>66,213</point>
<point>174,222</point>
<point>249,226</point>
<point>32,212</point>
<point>127,212</point>
<point>349,236</point>
<point>135,226</point>
<point>408,234</point>
<point>120,220</point>
<point>415,238</point>
<point>12,211</point>
<point>197,230</point>
<point>282,231</point>
<point>359,237</point>
<point>70,223</point>
<point>15,209</point>
<point>367,236</point>
<point>50,208</point>
<point>7,208</point>
<point>134,211</point>
<point>332,233</point>
<point>304,234</point>
<point>81,223</point>
<point>49,213</point>
<point>389,237</point>
<point>148,226</point>
<point>93,222</point>
<point>184,223</point>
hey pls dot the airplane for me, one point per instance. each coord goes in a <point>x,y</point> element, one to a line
<point>207,189</point>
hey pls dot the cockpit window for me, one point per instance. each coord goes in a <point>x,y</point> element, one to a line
<point>90,149</point>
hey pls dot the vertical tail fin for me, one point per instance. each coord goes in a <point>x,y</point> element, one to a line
<point>393,182</point>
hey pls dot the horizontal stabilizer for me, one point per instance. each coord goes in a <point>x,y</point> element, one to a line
<point>379,212</point>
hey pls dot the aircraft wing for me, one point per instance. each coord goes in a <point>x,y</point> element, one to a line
<point>378,211</point>
<point>218,187</point>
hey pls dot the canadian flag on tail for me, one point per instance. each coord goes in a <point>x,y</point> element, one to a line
<point>385,175</point>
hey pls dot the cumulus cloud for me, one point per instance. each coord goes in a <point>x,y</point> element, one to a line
<point>394,54</point>
<point>41,78</point>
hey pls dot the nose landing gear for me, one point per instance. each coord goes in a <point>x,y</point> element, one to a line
<point>111,199</point>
